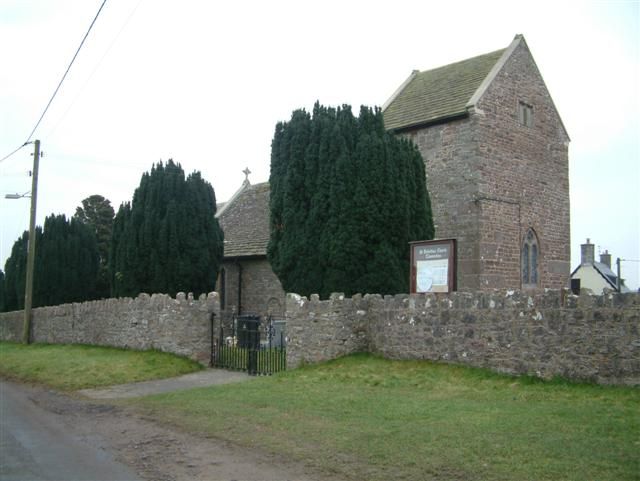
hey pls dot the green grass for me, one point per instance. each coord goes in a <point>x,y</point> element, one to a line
<point>72,367</point>
<point>368,418</point>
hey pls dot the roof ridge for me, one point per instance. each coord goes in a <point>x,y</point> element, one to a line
<point>439,93</point>
<point>452,64</point>
<point>482,88</point>
<point>233,198</point>
<point>245,222</point>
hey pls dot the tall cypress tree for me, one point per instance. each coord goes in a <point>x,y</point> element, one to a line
<point>168,239</point>
<point>66,262</point>
<point>346,198</point>
<point>15,273</point>
<point>97,213</point>
<point>65,265</point>
<point>2,293</point>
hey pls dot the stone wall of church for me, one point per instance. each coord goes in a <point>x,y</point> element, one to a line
<point>451,164</point>
<point>251,287</point>
<point>524,177</point>
<point>491,179</point>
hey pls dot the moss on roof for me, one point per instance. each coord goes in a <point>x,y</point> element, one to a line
<point>439,94</point>
<point>245,223</point>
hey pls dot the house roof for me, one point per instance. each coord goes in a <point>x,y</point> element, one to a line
<point>608,275</point>
<point>245,221</point>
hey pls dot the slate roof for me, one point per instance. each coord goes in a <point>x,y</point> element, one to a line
<point>438,94</point>
<point>245,222</point>
<point>605,271</point>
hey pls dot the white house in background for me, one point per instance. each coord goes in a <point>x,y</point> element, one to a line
<point>593,275</point>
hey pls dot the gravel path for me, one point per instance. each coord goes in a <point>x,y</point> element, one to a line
<point>208,377</point>
<point>156,451</point>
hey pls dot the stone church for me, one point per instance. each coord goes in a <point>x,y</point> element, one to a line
<point>246,283</point>
<point>496,157</point>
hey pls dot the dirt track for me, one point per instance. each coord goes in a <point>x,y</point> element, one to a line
<point>162,453</point>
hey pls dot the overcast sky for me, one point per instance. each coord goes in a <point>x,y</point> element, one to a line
<point>205,82</point>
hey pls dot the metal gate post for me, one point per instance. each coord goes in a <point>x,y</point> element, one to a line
<point>211,318</point>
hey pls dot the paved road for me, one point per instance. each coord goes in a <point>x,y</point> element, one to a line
<point>35,445</point>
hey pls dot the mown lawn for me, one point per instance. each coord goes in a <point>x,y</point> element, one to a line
<point>72,367</point>
<point>368,418</point>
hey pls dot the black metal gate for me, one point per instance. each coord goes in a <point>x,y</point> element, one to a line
<point>249,346</point>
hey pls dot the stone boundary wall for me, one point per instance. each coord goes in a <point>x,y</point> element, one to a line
<point>546,334</point>
<point>181,326</point>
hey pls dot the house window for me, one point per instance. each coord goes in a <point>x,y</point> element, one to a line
<point>525,114</point>
<point>530,256</point>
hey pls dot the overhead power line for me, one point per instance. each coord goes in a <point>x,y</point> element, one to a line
<point>51,132</point>
<point>67,71</point>
<point>28,141</point>
<point>9,155</point>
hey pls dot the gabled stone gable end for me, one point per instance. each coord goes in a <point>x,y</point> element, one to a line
<point>497,168</point>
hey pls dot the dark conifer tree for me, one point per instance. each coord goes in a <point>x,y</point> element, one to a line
<point>15,274</point>
<point>168,239</point>
<point>65,265</point>
<point>2,294</point>
<point>346,198</point>
<point>97,213</point>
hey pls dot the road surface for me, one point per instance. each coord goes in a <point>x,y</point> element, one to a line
<point>35,444</point>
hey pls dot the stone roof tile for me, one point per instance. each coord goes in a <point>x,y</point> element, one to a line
<point>439,94</point>
<point>245,222</point>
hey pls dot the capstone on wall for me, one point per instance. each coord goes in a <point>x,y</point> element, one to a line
<point>546,334</point>
<point>181,326</point>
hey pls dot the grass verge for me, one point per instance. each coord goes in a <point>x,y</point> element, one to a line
<point>368,418</point>
<point>72,367</point>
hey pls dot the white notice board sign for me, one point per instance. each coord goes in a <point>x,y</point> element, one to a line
<point>433,266</point>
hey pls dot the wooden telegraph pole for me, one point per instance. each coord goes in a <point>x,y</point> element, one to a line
<point>28,295</point>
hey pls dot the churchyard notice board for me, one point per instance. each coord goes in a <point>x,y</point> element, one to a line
<point>433,266</point>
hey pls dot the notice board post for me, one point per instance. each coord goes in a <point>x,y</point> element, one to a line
<point>433,266</point>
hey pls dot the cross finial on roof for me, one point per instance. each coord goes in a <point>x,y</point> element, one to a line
<point>246,173</point>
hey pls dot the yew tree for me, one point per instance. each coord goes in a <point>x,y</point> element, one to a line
<point>65,265</point>
<point>97,213</point>
<point>167,239</point>
<point>346,199</point>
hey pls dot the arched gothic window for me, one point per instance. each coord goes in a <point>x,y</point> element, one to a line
<point>530,255</point>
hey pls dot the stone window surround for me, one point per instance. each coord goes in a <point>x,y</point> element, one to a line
<point>530,260</point>
<point>525,114</point>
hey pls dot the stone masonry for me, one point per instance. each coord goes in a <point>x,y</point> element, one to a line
<point>491,178</point>
<point>181,326</point>
<point>546,334</point>
<point>258,292</point>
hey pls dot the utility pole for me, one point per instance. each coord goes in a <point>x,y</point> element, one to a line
<point>28,294</point>
<point>618,281</point>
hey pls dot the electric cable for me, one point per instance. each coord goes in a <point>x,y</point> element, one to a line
<point>67,71</point>
<point>15,151</point>
<point>52,131</point>
<point>59,85</point>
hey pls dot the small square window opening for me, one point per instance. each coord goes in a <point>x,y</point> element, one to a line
<point>525,114</point>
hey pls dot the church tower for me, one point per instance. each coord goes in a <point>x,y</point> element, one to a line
<point>496,157</point>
